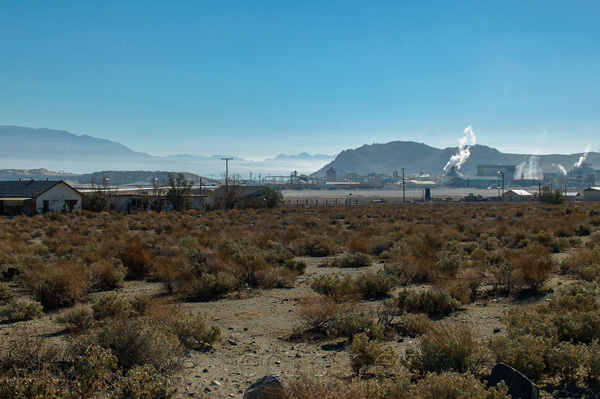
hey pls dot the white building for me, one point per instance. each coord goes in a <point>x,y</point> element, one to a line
<point>591,194</point>
<point>31,197</point>
<point>517,196</point>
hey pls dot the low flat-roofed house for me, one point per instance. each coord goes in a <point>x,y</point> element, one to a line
<point>517,196</point>
<point>591,194</point>
<point>31,197</point>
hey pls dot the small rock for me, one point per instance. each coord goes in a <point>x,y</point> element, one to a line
<point>215,382</point>
<point>207,389</point>
<point>205,371</point>
<point>231,342</point>
<point>497,330</point>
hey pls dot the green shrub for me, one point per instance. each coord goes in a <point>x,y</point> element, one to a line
<point>446,348</point>
<point>77,318</point>
<point>565,360</point>
<point>211,286</point>
<point>112,305</point>
<point>93,371</point>
<point>347,325</point>
<point>139,341</point>
<point>525,353</point>
<point>358,259</point>
<point>193,331</point>
<point>456,386</point>
<point>434,301</point>
<point>374,285</point>
<point>21,310</point>
<point>144,382</point>
<point>365,354</point>
<point>5,293</point>
<point>334,285</point>
<point>32,387</point>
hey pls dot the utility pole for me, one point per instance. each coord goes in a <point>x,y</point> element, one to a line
<point>226,170</point>
<point>403,189</point>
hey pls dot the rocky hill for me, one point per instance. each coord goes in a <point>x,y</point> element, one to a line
<point>421,158</point>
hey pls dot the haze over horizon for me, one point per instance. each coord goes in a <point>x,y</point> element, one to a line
<point>265,78</point>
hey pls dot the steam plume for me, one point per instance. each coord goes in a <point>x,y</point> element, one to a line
<point>464,150</point>
<point>529,169</point>
<point>562,170</point>
<point>583,157</point>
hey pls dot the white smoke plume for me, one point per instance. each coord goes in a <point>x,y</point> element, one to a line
<point>529,169</point>
<point>583,157</point>
<point>562,170</point>
<point>464,150</point>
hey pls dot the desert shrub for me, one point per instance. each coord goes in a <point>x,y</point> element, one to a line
<point>433,301</point>
<point>334,285</point>
<point>446,348</point>
<point>533,264</point>
<point>5,293</point>
<point>210,286</point>
<point>136,257</point>
<point>504,276</point>
<point>358,259</point>
<point>277,253</point>
<point>22,309</point>
<point>365,354</point>
<point>60,284</point>
<point>453,385</point>
<point>414,324</point>
<point>32,387</point>
<point>111,305</point>
<point>78,318</point>
<point>172,271</point>
<point>578,326</point>
<point>374,285</point>
<point>193,331</point>
<point>319,312</point>
<point>93,371</point>
<point>107,275</point>
<point>581,259</point>
<point>565,360</point>
<point>347,325</point>
<point>138,342</point>
<point>144,382</point>
<point>459,291</point>
<point>592,361</point>
<point>250,267</point>
<point>27,352</point>
<point>525,353</point>
<point>358,244</point>
<point>380,244</point>
<point>317,246</point>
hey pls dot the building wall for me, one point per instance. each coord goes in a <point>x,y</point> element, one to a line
<point>591,195</point>
<point>512,197</point>
<point>56,198</point>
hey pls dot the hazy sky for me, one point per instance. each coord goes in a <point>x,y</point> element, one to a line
<point>259,78</point>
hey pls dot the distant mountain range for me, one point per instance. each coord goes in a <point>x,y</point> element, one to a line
<point>419,158</point>
<point>27,149</point>
<point>29,153</point>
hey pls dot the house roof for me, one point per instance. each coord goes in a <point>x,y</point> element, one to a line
<point>592,189</point>
<point>26,189</point>
<point>519,192</point>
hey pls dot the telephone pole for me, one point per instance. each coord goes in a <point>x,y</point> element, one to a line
<point>403,189</point>
<point>226,170</point>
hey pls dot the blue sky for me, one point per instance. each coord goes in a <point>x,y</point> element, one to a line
<point>259,78</point>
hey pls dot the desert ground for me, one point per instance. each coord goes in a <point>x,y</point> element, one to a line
<point>294,291</point>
